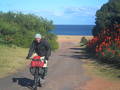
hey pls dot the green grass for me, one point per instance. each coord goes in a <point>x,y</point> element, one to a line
<point>11,59</point>
<point>104,71</point>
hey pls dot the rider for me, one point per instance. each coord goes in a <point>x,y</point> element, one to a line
<point>42,48</point>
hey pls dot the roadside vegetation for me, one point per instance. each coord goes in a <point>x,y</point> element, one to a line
<point>19,29</point>
<point>105,45</point>
<point>83,41</point>
<point>12,59</point>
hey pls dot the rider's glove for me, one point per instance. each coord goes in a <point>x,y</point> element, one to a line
<point>45,61</point>
<point>46,58</point>
<point>27,57</point>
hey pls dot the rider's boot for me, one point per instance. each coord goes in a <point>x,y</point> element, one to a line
<point>39,84</point>
<point>45,72</point>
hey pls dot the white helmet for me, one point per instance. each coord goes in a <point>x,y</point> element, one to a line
<point>38,35</point>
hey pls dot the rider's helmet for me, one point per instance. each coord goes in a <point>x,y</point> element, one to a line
<point>38,35</point>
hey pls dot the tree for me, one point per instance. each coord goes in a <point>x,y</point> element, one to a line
<point>108,15</point>
<point>19,29</point>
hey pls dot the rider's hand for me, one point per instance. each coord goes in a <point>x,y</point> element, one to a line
<point>47,58</point>
<point>27,57</point>
<point>45,61</point>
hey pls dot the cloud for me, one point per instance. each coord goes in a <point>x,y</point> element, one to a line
<point>65,12</point>
<point>81,11</point>
<point>67,15</point>
<point>43,12</point>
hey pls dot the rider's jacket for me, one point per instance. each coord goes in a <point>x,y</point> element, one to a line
<point>42,48</point>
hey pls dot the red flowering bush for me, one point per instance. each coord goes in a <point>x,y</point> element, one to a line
<point>106,44</point>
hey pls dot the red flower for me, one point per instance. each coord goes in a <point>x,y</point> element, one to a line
<point>103,53</point>
<point>113,51</point>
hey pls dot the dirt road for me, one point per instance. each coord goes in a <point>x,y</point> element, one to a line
<point>65,71</point>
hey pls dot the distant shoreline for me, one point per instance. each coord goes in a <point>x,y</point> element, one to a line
<point>72,38</point>
<point>77,35</point>
<point>73,25</point>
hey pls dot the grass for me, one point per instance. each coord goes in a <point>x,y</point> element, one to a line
<point>97,68</point>
<point>11,59</point>
<point>102,70</point>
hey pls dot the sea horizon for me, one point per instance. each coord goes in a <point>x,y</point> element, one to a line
<point>63,29</point>
<point>76,24</point>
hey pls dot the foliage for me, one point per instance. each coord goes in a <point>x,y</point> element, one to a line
<point>19,29</point>
<point>83,41</point>
<point>106,41</point>
<point>108,15</point>
<point>106,45</point>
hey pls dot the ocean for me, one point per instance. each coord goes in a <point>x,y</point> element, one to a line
<point>73,30</point>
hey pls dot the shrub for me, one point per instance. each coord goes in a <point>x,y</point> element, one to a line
<point>19,29</point>
<point>107,44</point>
<point>107,15</point>
<point>83,41</point>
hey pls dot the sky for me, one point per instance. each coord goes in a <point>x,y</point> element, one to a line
<point>80,12</point>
